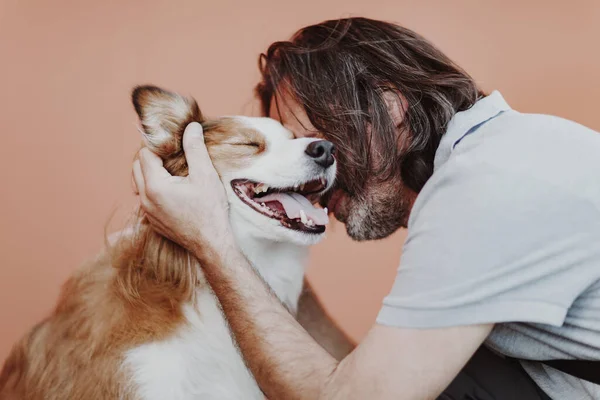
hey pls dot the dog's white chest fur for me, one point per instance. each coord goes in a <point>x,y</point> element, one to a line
<point>198,362</point>
<point>201,361</point>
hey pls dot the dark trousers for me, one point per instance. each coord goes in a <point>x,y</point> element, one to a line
<point>488,376</point>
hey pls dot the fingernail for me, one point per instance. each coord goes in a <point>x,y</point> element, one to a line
<point>196,127</point>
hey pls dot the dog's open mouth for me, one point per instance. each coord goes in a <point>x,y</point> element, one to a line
<point>291,206</point>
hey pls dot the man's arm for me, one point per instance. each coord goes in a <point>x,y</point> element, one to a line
<point>314,319</point>
<point>391,363</point>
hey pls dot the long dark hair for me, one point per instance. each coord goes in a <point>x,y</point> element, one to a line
<point>339,70</point>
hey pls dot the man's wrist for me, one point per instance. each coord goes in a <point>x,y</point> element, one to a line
<point>221,254</point>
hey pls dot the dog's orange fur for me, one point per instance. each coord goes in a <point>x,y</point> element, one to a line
<point>130,294</point>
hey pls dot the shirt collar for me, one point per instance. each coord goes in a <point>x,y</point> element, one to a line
<point>467,121</point>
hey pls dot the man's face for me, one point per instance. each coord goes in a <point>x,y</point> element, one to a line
<point>378,211</point>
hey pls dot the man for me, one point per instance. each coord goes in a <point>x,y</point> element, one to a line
<point>502,210</point>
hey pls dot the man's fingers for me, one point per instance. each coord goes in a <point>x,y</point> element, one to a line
<point>138,178</point>
<point>156,226</point>
<point>153,173</point>
<point>195,150</point>
<point>140,183</point>
<point>152,165</point>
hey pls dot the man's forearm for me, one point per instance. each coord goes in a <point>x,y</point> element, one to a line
<point>286,362</point>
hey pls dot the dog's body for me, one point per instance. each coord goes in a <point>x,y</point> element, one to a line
<point>200,360</point>
<point>140,321</point>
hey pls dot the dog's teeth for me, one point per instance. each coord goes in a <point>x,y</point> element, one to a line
<point>326,210</point>
<point>261,188</point>
<point>323,181</point>
<point>310,222</point>
<point>302,187</point>
<point>303,218</point>
<point>263,204</point>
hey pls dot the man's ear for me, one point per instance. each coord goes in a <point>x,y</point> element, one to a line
<point>164,116</point>
<point>396,105</point>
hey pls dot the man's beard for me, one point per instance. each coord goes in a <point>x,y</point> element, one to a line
<point>377,218</point>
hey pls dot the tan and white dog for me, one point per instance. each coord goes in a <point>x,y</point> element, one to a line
<point>140,321</point>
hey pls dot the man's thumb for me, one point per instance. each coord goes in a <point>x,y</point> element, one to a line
<point>194,148</point>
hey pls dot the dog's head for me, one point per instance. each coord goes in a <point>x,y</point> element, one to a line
<point>271,179</point>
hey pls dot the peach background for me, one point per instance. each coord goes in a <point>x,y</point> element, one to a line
<point>68,129</point>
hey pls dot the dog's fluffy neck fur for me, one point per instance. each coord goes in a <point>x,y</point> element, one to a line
<point>280,264</point>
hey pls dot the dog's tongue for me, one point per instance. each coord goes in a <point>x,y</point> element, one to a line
<point>293,203</point>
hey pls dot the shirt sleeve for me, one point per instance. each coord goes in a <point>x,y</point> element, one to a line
<point>490,245</point>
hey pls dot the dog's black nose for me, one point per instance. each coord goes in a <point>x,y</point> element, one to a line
<point>321,151</point>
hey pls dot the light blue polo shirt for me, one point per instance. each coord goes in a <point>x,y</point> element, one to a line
<point>507,231</point>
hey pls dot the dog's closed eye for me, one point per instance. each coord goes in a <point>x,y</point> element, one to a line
<point>244,143</point>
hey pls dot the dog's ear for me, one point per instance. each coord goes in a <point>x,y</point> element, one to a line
<point>164,116</point>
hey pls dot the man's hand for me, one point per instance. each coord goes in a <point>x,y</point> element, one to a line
<point>189,210</point>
